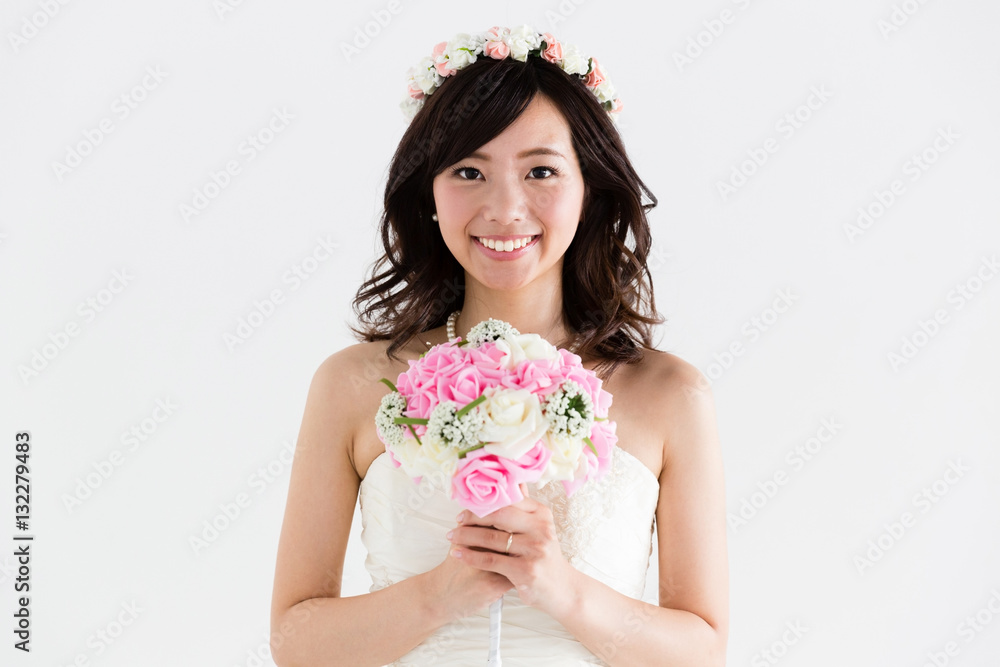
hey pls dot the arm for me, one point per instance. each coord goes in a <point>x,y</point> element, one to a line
<point>691,624</point>
<point>310,623</point>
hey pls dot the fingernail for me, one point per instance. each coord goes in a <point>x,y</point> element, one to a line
<point>461,516</point>
<point>449,534</point>
<point>456,553</point>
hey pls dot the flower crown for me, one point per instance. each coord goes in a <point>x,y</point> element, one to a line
<point>499,43</point>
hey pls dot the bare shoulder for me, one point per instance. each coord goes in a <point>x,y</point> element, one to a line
<point>680,398</point>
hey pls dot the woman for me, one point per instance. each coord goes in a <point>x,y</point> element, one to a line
<point>510,196</point>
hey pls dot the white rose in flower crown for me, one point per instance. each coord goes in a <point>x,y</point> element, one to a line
<point>425,76</point>
<point>525,346</point>
<point>458,56</point>
<point>523,39</point>
<point>514,421</point>
<point>605,91</point>
<point>574,62</point>
<point>565,458</point>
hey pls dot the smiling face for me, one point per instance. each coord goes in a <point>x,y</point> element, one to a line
<point>522,193</point>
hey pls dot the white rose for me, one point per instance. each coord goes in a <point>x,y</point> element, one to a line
<point>565,458</point>
<point>458,57</point>
<point>425,76</point>
<point>408,454</point>
<point>522,40</point>
<point>514,421</point>
<point>573,61</point>
<point>605,91</point>
<point>525,346</point>
<point>436,459</point>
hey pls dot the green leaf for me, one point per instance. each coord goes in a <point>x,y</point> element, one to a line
<point>463,452</point>
<point>409,420</point>
<point>465,410</point>
<point>592,448</point>
<point>389,384</point>
<point>415,434</point>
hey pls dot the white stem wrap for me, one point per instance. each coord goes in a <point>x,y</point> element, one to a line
<point>494,657</point>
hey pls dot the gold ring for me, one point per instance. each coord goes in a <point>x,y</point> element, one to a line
<point>509,540</point>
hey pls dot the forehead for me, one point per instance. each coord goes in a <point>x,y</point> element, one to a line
<point>540,124</point>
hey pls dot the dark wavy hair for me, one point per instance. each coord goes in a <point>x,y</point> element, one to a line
<point>608,302</point>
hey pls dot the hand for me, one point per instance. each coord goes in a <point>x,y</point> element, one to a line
<point>461,589</point>
<point>535,565</point>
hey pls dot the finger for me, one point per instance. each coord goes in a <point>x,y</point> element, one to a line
<point>480,537</point>
<point>510,519</point>
<point>486,560</point>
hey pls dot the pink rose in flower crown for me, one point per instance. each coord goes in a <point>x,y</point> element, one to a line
<point>442,66</point>
<point>483,483</point>
<point>596,76</point>
<point>495,46</point>
<point>553,49</point>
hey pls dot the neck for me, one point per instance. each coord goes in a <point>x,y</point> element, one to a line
<point>529,309</point>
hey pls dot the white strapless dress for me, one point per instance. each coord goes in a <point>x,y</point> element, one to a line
<point>605,530</point>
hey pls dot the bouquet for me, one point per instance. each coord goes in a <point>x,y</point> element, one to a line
<point>495,410</point>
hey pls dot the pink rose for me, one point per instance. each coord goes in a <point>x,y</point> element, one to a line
<point>619,105</point>
<point>603,435</point>
<point>592,385</point>
<point>486,358</point>
<point>482,483</point>
<point>440,63</point>
<point>415,92</point>
<point>530,466</point>
<point>596,75</point>
<point>553,50</point>
<point>539,376</point>
<point>494,46</point>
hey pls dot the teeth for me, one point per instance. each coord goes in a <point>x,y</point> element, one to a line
<point>506,246</point>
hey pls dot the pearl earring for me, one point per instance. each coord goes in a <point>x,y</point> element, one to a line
<point>434,217</point>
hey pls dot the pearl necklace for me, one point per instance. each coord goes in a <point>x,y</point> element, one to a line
<point>453,318</point>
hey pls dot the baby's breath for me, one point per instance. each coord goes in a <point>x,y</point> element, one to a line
<point>490,330</point>
<point>569,410</point>
<point>392,406</point>
<point>458,432</point>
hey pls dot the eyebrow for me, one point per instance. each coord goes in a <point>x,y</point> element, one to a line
<point>541,150</point>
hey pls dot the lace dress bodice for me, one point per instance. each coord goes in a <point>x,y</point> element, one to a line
<point>605,530</point>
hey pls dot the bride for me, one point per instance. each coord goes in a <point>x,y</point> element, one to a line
<point>510,196</point>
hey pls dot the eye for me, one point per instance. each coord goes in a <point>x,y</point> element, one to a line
<point>457,171</point>
<point>554,171</point>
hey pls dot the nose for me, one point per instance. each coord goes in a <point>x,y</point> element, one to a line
<point>506,201</point>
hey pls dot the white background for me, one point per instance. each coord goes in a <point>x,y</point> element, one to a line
<point>718,262</point>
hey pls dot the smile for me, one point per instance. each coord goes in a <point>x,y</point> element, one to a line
<point>506,244</point>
